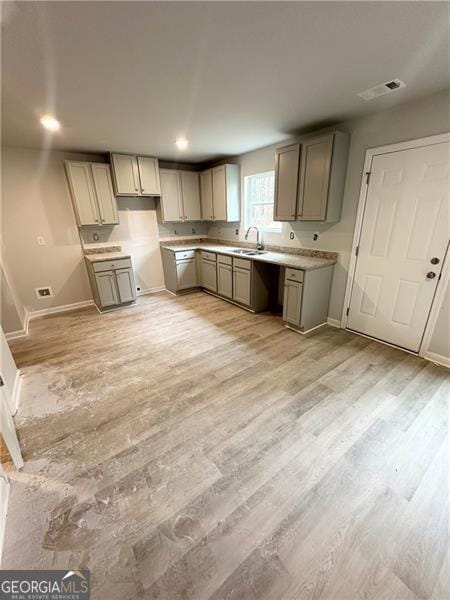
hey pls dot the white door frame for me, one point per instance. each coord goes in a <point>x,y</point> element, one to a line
<point>442,283</point>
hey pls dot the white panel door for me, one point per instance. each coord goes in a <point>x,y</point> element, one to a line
<point>191,196</point>
<point>403,241</point>
<point>83,194</point>
<point>149,176</point>
<point>107,204</point>
<point>171,200</point>
<point>126,174</point>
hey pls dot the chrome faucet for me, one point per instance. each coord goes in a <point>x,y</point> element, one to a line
<point>259,246</point>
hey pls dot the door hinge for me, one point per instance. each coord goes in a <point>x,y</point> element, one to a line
<point>348,310</point>
<point>368,173</point>
<point>357,250</point>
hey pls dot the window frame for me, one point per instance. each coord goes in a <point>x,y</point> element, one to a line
<point>246,205</point>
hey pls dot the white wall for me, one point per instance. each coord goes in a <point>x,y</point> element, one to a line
<point>420,118</point>
<point>36,202</point>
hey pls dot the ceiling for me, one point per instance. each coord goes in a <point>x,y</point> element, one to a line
<point>231,76</point>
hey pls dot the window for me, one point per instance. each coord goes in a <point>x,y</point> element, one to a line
<point>258,201</point>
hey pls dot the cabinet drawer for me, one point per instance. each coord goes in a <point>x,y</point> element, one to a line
<point>108,265</point>
<point>294,275</point>
<point>223,259</point>
<point>181,255</point>
<point>242,263</point>
<point>208,255</point>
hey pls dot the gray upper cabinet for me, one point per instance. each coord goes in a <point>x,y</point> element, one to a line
<point>171,201</point>
<point>180,195</point>
<point>220,193</point>
<point>206,195</point>
<point>135,175</point>
<point>286,182</point>
<point>190,191</point>
<point>310,178</point>
<point>149,176</point>
<point>92,193</point>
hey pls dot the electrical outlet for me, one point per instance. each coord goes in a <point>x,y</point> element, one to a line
<point>237,231</point>
<point>44,292</point>
<point>291,235</point>
<point>40,240</point>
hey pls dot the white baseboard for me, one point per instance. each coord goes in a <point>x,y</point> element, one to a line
<point>333,322</point>
<point>151,291</point>
<point>14,335</point>
<point>58,309</point>
<point>437,358</point>
<point>4,498</point>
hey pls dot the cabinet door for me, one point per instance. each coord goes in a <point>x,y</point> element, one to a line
<point>126,174</point>
<point>292,302</point>
<point>149,176</point>
<point>314,178</point>
<point>171,201</point>
<point>125,285</point>
<point>206,196</point>
<point>286,182</point>
<point>186,274</point>
<point>224,280</point>
<point>208,274</point>
<point>191,196</point>
<point>107,204</point>
<point>107,288</point>
<point>219,190</point>
<point>242,286</point>
<point>82,191</point>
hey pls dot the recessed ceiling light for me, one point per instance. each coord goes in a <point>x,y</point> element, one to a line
<point>182,143</point>
<point>50,123</point>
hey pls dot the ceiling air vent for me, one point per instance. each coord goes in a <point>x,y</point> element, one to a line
<point>382,88</point>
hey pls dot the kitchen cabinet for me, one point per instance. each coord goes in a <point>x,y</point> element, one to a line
<point>292,301</point>
<point>306,297</point>
<point>135,175</point>
<point>180,270</point>
<point>180,196</point>
<point>107,290</point>
<point>92,193</point>
<point>190,192</point>
<point>186,273</point>
<point>242,286</point>
<point>220,193</point>
<point>112,282</point>
<point>225,280</point>
<point>206,195</point>
<point>286,182</point>
<point>310,178</point>
<point>208,271</point>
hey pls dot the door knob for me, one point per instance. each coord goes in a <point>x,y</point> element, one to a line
<point>431,275</point>
<point>434,260</point>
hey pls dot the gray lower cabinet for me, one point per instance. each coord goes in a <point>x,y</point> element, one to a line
<point>107,289</point>
<point>242,286</point>
<point>112,282</point>
<point>208,274</point>
<point>306,297</point>
<point>186,273</point>
<point>292,302</point>
<point>225,280</point>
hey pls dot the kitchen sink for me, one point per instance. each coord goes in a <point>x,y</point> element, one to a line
<point>249,252</point>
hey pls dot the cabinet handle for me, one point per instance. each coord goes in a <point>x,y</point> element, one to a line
<point>434,261</point>
<point>96,220</point>
<point>103,220</point>
<point>431,275</point>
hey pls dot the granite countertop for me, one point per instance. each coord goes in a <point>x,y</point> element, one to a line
<point>284,259</point>
<point>101,256</point>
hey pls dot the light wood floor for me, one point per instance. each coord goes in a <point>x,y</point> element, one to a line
<point>186,449</point>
